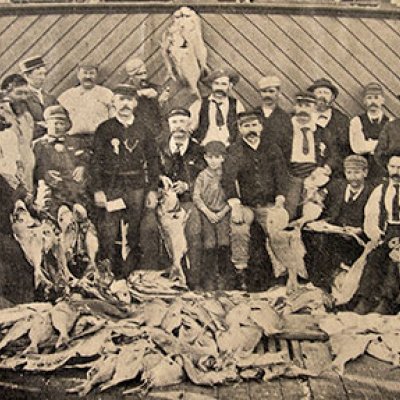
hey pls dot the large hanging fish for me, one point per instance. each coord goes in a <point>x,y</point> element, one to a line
<point>184,51</point>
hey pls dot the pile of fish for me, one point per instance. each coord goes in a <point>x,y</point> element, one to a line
<point>352,335</point>
<point>205,338</point>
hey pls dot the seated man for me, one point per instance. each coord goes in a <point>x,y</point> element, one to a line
<point>344,207</point>
<point>379,285</point>
<point>254,174</point>
<point>59,164</point>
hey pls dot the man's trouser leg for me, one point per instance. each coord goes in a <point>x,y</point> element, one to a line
<point>194,243</point>
<point>240,244</point>
<point>149,240</point>
<point>293,196</point>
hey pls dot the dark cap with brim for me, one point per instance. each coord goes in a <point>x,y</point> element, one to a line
<point>125,90</point>
<point>29,64</point>
<point>323,82</point>
<point>305,96</point>
<point>215,148</point>
<point>219,73</point>
<point>250,115</point>
<point>179,111</point>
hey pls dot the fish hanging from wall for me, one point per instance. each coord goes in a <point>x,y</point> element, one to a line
<point>184,51</point>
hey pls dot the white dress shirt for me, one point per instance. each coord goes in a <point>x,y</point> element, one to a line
<point>87,108</point>
<point>358,142</point>
<point>214,132</point>
<point>297,146</point>
<point>351,193</point>
<point>372,211</point>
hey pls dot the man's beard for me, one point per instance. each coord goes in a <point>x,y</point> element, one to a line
<point>372,105</point>
<point>395,177</point>
<point>322,104</point>
<point>19,106</point>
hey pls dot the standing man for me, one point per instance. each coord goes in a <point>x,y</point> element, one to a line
<point>214,117</point>
<point>16,112</point>
<point>330,117</point>
<point>366,128</point>
<point>150,96</point>
<point>34,71</point>
<point>124,172</point>
<point>305,147</point>
<point>88,105</point>
<point>181,160</point>
<point>275,118</point>
<point>254,175</point>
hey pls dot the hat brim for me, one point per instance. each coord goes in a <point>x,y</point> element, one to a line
<point>333,88</point>
<point>234,78</point>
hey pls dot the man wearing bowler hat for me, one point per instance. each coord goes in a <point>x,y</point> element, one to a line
<point>214,117</point>
<point>366,128</point>
<point>330,117</point>
<point>275,118</point>
<point>124,171</point>
<point>34,71</point>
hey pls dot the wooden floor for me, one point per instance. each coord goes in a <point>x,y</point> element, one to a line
<point>366,378</point>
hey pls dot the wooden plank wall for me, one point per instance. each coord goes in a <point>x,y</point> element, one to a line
<point>351,51</point>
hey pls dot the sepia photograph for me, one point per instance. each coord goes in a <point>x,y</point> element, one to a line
<point>200,200</point>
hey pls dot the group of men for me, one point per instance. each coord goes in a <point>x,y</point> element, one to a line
<point>106,150</point>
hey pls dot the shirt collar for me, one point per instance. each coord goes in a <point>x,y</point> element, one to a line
<point>125,123</point>
<point>350,190</point>
<point>311,125</point>
<point>219,101</point>
<point>267,111</point>
<point>173,147</point>
<point>254,145</point>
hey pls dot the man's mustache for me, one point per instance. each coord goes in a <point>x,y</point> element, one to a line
<point>303,114</point>
<point>220,92</point>
<point>91,80</point>
<point>267,98</point>
<point>373,105</point>
<point>397,176</point>
<point>252,134</point>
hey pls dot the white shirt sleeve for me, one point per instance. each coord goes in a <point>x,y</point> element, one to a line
<point>371,215</point>
<point>358,143</point>
<point>239,107</point>
<point>195,114</point>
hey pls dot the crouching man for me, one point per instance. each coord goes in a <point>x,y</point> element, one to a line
<point>379,285</point>
<point>254,174</point>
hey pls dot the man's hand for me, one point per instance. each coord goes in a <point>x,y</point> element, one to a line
<point>180,187</point>
<point>164,96</point>
<point>100,199</point>
<point>78,173</point>
<point>237,214</point>
<point>211,216</point>
<point>152,200</point>
<point>54,177</point>
<point>150,93</point>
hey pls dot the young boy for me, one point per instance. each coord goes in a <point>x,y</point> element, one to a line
<point>209,198</point>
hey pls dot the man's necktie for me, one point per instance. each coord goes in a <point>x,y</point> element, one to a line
<point>352,196</point>
<point>375,121</point>
<point>395,204</point>
<point>306,144</point>
<point>219,118</point>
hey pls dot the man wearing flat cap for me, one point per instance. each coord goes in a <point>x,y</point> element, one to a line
<point>88,104</point>
<point>330,117</point>
<point>151,97</point>
<point>34,71</point>
<point>181,160</point>
<point>124,177</point>
<point>305,147</point>
<point>365,129</point>
<point>344,207</point>
<point>214,117</point>
<point>254,175</point>
<point>275,118</point>
<point>59,165</point>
